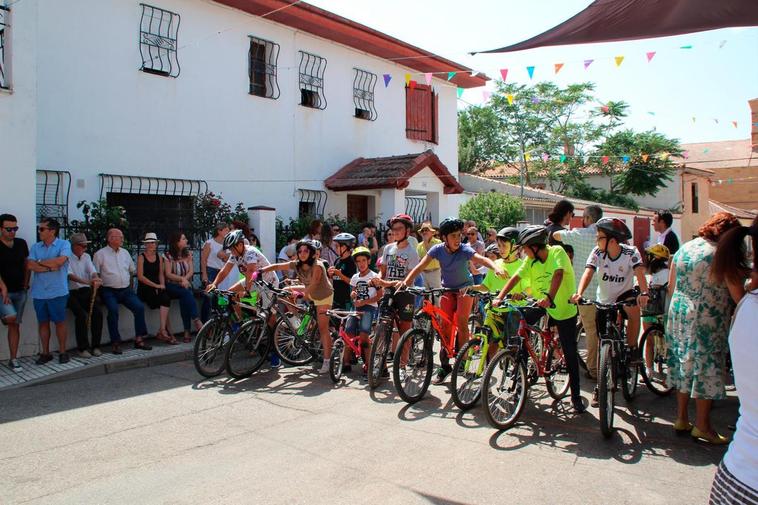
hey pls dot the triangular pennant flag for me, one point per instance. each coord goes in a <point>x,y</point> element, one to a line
<point>504,73</point>
<point>686,154</point>
<point>535,100</point>
<point>729,180</point>
<point>563,158</point>
<point>716,120</point>
<point>645,157</point>
<point>688,46</point>
<point>412,84</point>
<point>530,71</point>
<point>618,59</point>
<point>407,79</point>
<point>605,160</point>
<point>651,113</point>
<point>460,92</point>
<point>665,156</point>
<point>527,156</point>
<point>450,75</point>
<point>428,78</point>
<point>545,157</point>
<point>605,109</point>
<point>734,123</point>
<point>486,95</point>
<point>387,79</point>
<point>587,63</point>
<point>705,151</point>
<point>650,55</point>
<point>694,119</point>
<point>558,67</point>
<point>722,44</point>
<point>510,99</point>
<point>625,159</point>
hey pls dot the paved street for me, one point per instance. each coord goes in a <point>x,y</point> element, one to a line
<point>160,435</point>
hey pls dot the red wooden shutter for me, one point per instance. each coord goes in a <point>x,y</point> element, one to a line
<point>435,117</point>
<point>421,105</point>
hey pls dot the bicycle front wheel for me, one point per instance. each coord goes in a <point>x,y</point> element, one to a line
<point>606,390</point>
<point>290,348</point>
<point>468,370</point>
<point>504,389</point>
<point>377,362</point>
<point>412,365</point>
<point>556,374</point>
<point>653,345</point>
<point>336,360</point>
<point>629,380</point>
<point>248,349</point>
<point>208,351</point>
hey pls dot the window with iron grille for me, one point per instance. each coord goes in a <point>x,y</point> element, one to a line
<point>5,78</point>
<point>364,84</point>
<point>159,30</point>
<point>262,59</point>
<point>421,113</point>
<point>312,203</point>
<point>53,188</point>
<point>311,80</point>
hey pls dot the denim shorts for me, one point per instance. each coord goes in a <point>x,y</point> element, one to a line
<point>362,325</point>
<point>15,308</point>
<point>51,309</point>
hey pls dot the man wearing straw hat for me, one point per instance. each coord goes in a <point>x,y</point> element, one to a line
<point>83,282</point>
<point>432,274</point>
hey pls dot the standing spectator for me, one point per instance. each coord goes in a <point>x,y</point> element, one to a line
<point>14,282</point>
<point>212,260</point>
<point>367,238</point>
<point>698,324</point>
<point>151,285</point>
<point>583,241</point>
<point>328,248</point>
<point>179,270</point>
<point>83,281</point>
<point>558,220</point>
<point>491,237</point>
<point>48,259</point>
<point>662,222</point>
<point>314,230</point>
<point>388,239</point>
<point>240,225</point>
<point>432,274</point>
<point>466,225</point>
<point>116,268</point>
<point>478,272</point>
<point>736,478</point>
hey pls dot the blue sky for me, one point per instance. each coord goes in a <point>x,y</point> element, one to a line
<point>712,80</point>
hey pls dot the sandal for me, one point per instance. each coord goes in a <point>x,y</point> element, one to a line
<point>167,337</point>
<point>187,338</point>
<point>141,344</point>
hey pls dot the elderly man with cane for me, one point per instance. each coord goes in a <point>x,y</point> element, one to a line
<point>83,283</point>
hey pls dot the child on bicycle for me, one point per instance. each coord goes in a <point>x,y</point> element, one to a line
<point>657,258</point>
<point>365,299</point>
<point>454,257</point>
<point>248,259</point>
<point>312,274</point>
<point>551,278</point>
<point>618,264</point>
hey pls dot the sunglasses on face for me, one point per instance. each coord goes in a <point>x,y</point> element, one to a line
<point>471,234</point>
<point>11,229</point>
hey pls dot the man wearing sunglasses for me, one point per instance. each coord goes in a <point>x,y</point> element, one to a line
<point>14,282</point>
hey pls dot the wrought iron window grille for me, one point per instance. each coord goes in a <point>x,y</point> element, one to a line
<point>311,80</point>
<point>364,84</point>
<point>4,29</point>
<point>159,30</point>
<point>53,188</point>
<point>262,65</point>
<point>415,206</point>
<point>134,184</point>
<point>312,203</point>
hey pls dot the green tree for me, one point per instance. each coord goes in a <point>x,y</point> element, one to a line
<point>480,141</point>
<point>493,210</point>
<point>99,217</point>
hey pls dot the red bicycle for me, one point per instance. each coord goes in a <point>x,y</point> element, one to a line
<point>355,343</point>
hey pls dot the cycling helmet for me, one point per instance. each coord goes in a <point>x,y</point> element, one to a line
<point>316,245</point>
<point>614,228</point>
<point>492,249</point>
<point>310,244</point>
<point>450,225</point>
<point>402,218</point>
<point>508,234</point>
<point>347,239</point>
<point>532,235</point>
<point>361,251</point>
<point>658,251</point>
<point>233,238</point>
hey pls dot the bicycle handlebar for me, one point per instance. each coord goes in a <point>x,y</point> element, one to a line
<point>600,305</point>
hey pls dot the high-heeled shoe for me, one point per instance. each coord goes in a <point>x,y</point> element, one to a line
<point>681,427</point>
<point>708,438</point>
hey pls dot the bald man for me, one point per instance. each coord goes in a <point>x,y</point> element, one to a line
<point>116,267</point>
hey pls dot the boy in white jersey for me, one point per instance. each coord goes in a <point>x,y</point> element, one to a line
<point>617,264</point>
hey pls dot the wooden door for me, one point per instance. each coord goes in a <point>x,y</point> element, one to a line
<point>357,208</point>
<point>641,233</point>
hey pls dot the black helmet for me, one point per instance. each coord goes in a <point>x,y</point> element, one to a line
<point>308,243</point>
<point>492,249</point>
<point>508,234</point>
<point>233,238</point>
<point>532,235</point>
<point>450,225</point>
<point>614,228</point>
<point>347,239</point>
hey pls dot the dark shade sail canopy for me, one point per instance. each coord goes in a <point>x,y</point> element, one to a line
<point>615,20</point>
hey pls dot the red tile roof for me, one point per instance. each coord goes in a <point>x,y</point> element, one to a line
<point>726,154</point>
<point>390,172</point>
<point>514,170</point>
<point>330,26</point>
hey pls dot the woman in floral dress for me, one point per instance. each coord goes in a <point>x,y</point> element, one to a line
<point>698,326</point>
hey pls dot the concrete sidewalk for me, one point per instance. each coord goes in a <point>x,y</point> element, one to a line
<point>52,371</point>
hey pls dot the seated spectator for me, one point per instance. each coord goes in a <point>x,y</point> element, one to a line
<point>83,283</point>
<point>48,259</point>
<point>14,282</point>
<point>179,271</point>
<point>151,285</point>
<point>116,267</point>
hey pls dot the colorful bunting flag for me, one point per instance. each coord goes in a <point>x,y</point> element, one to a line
<point>527,156</point>
<point>412,84</point>
<point>694,119</point>
<point>460,92</point>
<point>729,180</point>
<point>407,79</point>
<point>558,67</point>
<point>486,95</point>
<point>686,154</point>
<point>428,78</point>
<point>535,100</point>
<point>545,157</point>
<point>605,160</point>
<point>450,75</point>
<point>665,156</point>
<point>651,113</point>
<point>625,159</point>
<point>530,71</point>
<point>605,109</point>
<point>734,123</point>
<point>387,79</point>
<point>618,59</point>
<point>705,151</point>
<point>722,44</point>
<point>650,55</point>
<point>716,120</point>
<point>504,73</point>
<point>563,158</point>
<point>645,157</point>
<point>587,63</point>
<point>510,99</point>
<point>688,46</point>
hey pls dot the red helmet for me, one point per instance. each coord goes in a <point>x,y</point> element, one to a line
<point>402,218</point>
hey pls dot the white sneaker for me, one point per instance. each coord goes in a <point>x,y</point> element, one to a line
<point>324,368</point>
<point>85,354</point>
<point>97,352</point>
<point>14,365</point>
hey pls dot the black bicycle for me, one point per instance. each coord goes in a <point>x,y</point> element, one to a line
<point>381,340</point>
<point>615,359</point>
<point>653,344</point>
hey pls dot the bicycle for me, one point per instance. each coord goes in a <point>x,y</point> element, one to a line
<point>381,339</point>
<point>296,335</point>
<point>506,383</point>
<point>615,363</point>
<point>344,339</point>
<point>653,344</point>
<point>415,346</point>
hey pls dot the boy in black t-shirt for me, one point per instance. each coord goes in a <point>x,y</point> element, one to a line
<point>342,271</point>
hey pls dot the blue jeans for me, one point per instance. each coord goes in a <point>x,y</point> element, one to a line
<point>187,304</point>
<point>112,297</point>
<point>354,325</point>
<point>205,310</point>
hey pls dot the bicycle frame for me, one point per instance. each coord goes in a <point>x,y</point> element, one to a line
<point>436,314</point>
<point>547,337</point>
<point>354,342</point>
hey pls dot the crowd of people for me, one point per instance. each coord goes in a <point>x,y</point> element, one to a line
<point>705,279</point>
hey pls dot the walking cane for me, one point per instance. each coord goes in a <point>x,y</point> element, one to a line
<point>91,306</point>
